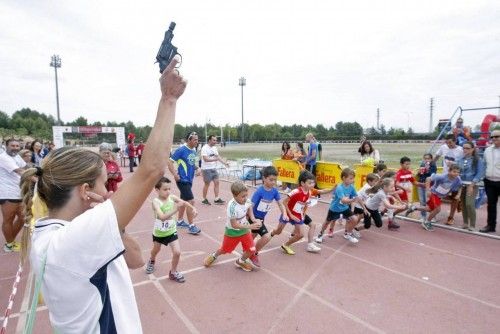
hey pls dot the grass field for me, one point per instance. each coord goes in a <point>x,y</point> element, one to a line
<point>345,154</point>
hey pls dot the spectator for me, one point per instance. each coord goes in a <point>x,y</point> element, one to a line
<point>492,180</point>
<point>471,173</point>
<point>140,149</point>
<point>26,156</point>
<point>286,151</point>
<point>461,132</point>
<point>11,168</point>
<point>37,152</point>
<point>369,155</point>
<point>209,158</point>
<point>312,153</point>
<point>131,155</point>
<point>299,154</point>
<point>112,168</point>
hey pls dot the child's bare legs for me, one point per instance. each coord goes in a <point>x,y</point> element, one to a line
<point>176,254</point>
<point>433,213</point>
<point>310,232</point>
<point>298,233</point>
<point>278,230</point>
<point>262,241</point>
<point>351,223</point>
<point>155,250</point>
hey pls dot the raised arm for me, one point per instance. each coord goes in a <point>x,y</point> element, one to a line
<point>134,191</point>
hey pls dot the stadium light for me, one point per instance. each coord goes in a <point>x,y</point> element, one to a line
<point>56,63</point>
<point>242,83</point>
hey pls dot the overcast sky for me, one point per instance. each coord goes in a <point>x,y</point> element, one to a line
<point>305,62</point>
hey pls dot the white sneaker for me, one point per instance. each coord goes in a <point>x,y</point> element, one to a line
<point>312,248</point>
<point>319,239</point>
<point>351,238</point>
<point>356,234</point>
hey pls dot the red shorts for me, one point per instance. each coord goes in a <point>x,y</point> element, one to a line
<point>230,243</point>
<point>434,201</point>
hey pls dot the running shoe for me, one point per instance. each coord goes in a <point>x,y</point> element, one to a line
<point>392,226</point>
<point>193,229</point>
<point>176,276</point>
<point>351,238</point>
<point>255,260</point>
<point>450,221</point>
<point>427,226</point>
<point>356,234</point>
<point>411,208</point>
<point>206,202</point>
<point>219,201</point>
<point>330,233</point>
<point>150,267</point>
<point>14,247</point>
<point>209,260</point>
<point>243,265</point>
<point>182,224</point>
<point>287,249</point>
<point>312,248</point>
<point>319,239</point>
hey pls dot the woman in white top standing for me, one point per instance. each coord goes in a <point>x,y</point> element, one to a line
<point>86,284</point>
<point>368,152</point>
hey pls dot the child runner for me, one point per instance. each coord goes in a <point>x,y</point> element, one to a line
<point>238,228</point>
<point>380,169</point>
<point>344,196</point>
<point>261,204</point>
<point>165,227</point>
<point>427,168</point>
<point>313,199</point>
<point>380,196</point>
<point>295,204</point>
<point>371,181</point>
<point>393,198</point>
<point>405,179</point>
<point>444,185</point>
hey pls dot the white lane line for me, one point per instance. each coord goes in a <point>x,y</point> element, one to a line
<point>303,289</point>
<point>420,280</point>
<point>190,326</point>
<point>326,303</point>
<point>437,249</point>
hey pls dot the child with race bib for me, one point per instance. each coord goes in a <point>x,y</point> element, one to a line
<point>165,227</point>
<point>238,228</point>
<point>444,185</point>
<point>296,204</point>
<point>262,199</point>
<point>381,193</point>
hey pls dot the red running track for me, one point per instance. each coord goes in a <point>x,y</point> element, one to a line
<point>408,281</point>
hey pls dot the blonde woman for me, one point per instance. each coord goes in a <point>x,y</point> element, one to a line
<point>80,245</point>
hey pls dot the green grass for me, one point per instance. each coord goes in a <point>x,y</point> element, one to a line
<point>345,154</point>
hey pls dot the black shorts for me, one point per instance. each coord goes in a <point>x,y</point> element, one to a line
<point>165,240</point>
<point>262,229</point>
<point>307,220</point>
<point>376,216</point>
<point>185,189</point>
<point>311,168</point>
<point>358,211</point>
<point>3,201</point>
<point>333,216</point>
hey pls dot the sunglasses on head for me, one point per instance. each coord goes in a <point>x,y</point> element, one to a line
<point>191,135</point>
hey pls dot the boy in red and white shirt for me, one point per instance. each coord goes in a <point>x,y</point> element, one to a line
<point>405,179</point>
<point>295,205</point>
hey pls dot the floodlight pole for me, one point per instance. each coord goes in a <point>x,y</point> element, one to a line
<point>242,83</point>
<point>56,63</point>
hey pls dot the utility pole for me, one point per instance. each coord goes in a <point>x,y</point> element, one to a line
<point>56,63</point>
<point>431,110</point>
<point>378,118</point>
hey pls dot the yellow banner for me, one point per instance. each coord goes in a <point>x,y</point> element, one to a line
<point>288,170</point>
<point>361,172</point>
<point>327,174</point>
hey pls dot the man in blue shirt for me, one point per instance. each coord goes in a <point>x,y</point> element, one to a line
<point>185,158</point>
<point>312,153</point>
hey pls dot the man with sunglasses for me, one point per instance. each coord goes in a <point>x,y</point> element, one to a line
<point>187,168</point>
<point>492,180</point>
